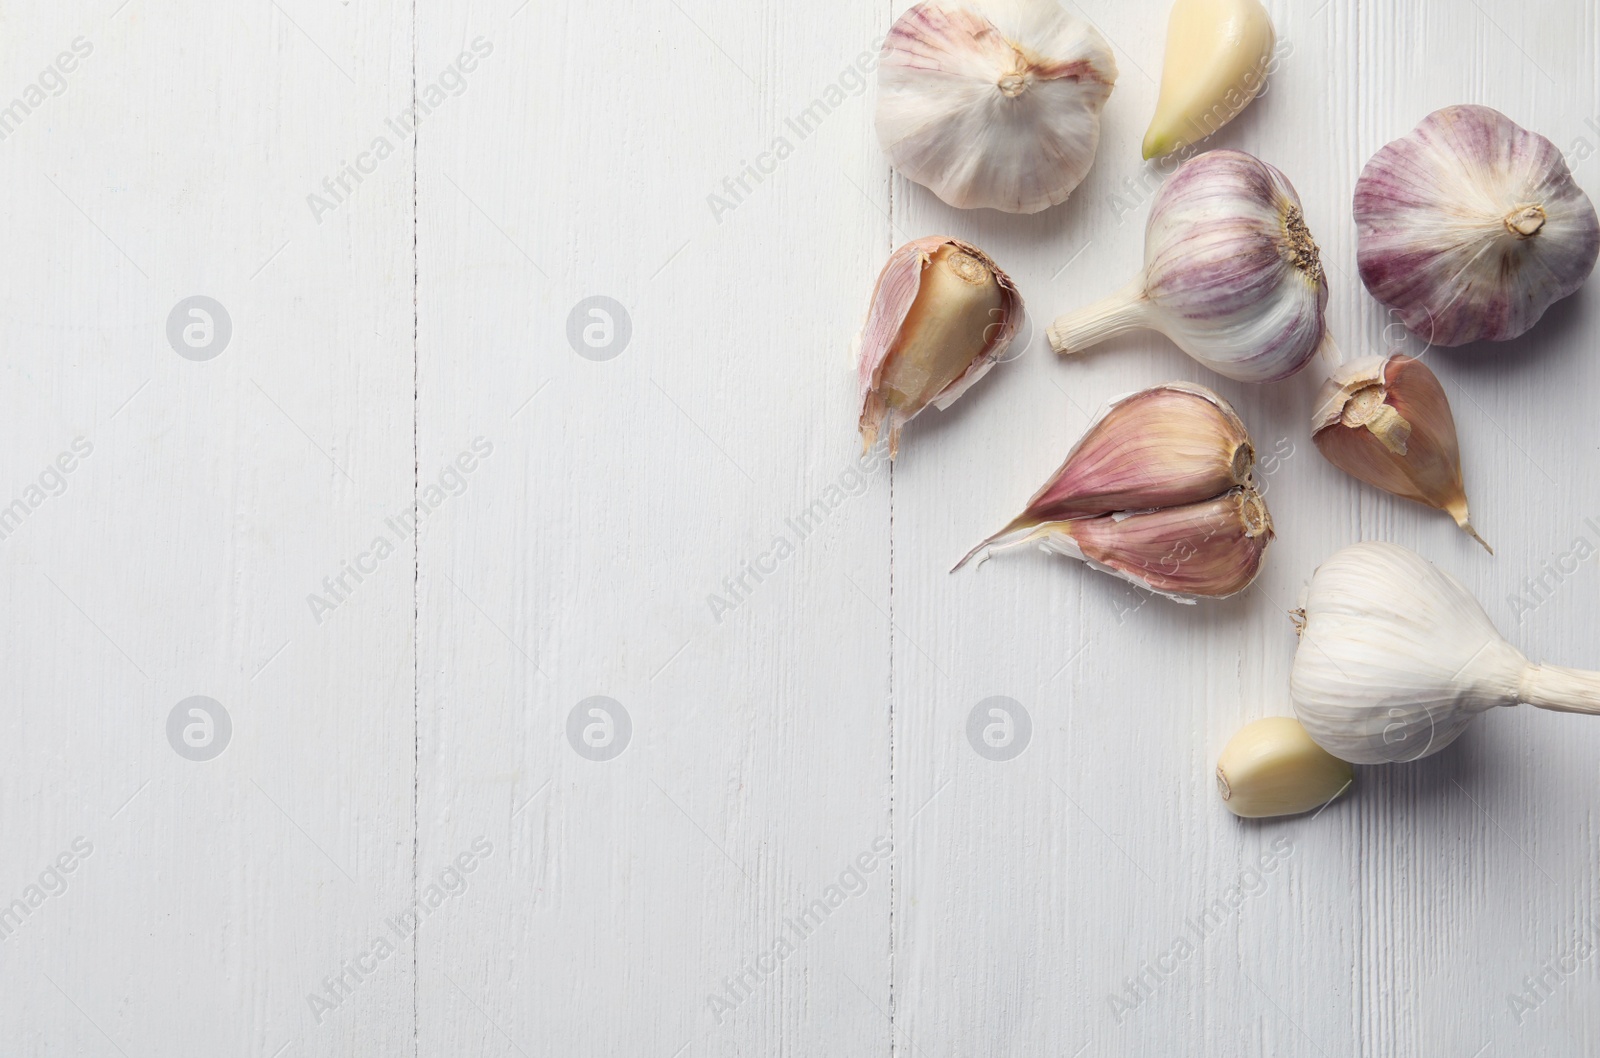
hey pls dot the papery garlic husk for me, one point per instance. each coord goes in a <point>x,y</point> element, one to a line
<point>942,313</point>
<point>1471,226</point>
<point>1163,447</point>
<point>1396,658</point>
<point>1271,767</point>
<point>993,102</point>
<point>1386,420</point>
<point>1212,549</point>
<point>1218,52</point>
<point>1231,274</point>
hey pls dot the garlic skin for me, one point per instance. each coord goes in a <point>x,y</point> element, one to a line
<point>1386,420</point>
<point>1271,767</point>
<point>1211,549</point>
<point>993,103</point>
<point>1396,658</point>
<point>1216,61</point>
<point>1471,226</point>
<point>1231,274</point>
<point>942,313</point>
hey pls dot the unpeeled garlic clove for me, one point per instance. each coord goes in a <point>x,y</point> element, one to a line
<point>1211,549</point>
<point>1387,421</point>
<point>1217,56</point>
<point>993,102</point>
<point>1470,226</point>
<point>942,313</point>
<point>1231,274</point>
<point>1271,767</point>
<point>1162,447</point>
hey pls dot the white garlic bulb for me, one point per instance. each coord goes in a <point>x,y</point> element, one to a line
<point>1470,226</point>
<point>1396,658</point>
<point>993,102</point>
<point>1231,274</point>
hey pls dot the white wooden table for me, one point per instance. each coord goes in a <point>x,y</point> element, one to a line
<point>419,836</point>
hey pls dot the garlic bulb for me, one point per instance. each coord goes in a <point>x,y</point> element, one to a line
<point>993,102</point>
<point>1470,226</point>
<point>1396,657</point>
<point>1217,57</point>
<point>1387,421</point>
<point>1157,492</point>
<point>942,313</point>
<point>1272,768</point>
<point>1231,274</point>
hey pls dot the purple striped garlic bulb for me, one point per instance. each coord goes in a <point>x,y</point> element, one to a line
<point>942,314</point>
<point>1231,274</point>
<point>1470,226</point>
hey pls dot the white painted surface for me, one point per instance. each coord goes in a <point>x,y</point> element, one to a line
<point>823,718</point>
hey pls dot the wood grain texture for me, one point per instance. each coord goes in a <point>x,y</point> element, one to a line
<point>669,544</point>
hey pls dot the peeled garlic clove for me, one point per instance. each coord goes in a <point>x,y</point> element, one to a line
<point>1396,658</point>
<point>1211,549</point>
<point>993,102</point>
<point>1231,274</point>
<point>1387,421</point>
<point>1163,447</point>
<point>942,313</point>
<point>1272,768</point>
<point>1471,226</point>
<point>1217,57</point>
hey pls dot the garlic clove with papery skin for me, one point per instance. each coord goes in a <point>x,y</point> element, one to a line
<point>993,102</point>
<point>1396,658</point>
<point>1212,549</point>
<point>1271,767</point>
<point>1217,56</point>
<point>1470,226</point>
<point>942,314</point>
<point>1231,274</point>
<point>1163,447</point>
<point>1386,421</point>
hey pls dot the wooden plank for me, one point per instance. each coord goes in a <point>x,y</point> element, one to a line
<point>636,545</point>
<point>214,485</point>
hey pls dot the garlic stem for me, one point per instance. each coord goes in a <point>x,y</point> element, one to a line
<point>1126,310</point>
<point>1561,689</point>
